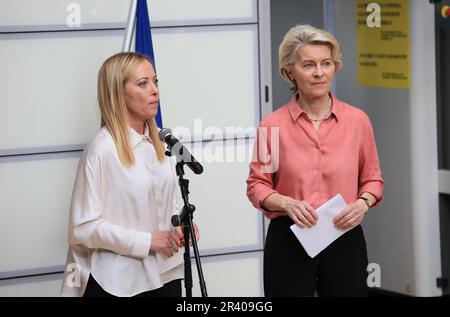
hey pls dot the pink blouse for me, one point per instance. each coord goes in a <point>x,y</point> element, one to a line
<point>291,158</point>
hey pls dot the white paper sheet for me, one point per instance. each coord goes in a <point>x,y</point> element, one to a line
<point>318,237</point>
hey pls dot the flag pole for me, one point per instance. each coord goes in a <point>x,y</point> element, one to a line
<point>131,22</point>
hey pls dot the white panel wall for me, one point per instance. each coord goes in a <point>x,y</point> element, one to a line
<point>230,276</point>
<point>47,286</point>
<point>54,14</point>
<point>229,220</point>
<point>40,14</point>
<point>48,112</point>
<point>178,12</point>
<point>225,276</point>
<point>34,199</point>
<point>195,82</point>
<point>210,74</point>
<point>49,86</point>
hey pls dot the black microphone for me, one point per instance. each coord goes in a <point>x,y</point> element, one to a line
<point>180,151</point>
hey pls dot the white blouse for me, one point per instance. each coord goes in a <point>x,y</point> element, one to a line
<point>113,212</point>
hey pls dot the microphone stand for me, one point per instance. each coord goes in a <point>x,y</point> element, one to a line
<point>187,214</point>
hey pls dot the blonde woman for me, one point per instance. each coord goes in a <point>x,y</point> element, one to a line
<point>326,147</point>
<point>121,242</point>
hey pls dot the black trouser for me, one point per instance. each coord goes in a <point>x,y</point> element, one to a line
<point>339,270</point>
<point>171,289</point>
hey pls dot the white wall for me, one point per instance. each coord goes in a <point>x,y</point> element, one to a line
<point>424,152</point>
<point>209,66</point>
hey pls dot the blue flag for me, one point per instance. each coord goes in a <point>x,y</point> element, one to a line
<point>144,43</point>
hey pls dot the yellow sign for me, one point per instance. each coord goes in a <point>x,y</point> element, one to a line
<point>382,36</point>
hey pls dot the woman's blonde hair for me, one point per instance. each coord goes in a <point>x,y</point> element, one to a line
<point>299,36</point>
<point>112,77</point>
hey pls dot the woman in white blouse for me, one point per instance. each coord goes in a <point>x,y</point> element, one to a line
<point>121,242</point>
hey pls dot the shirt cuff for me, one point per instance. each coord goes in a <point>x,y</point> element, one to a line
<point>373,189</point>
<point>142,245</point>
<point>260,195</point>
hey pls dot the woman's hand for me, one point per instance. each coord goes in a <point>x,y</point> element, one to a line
<point>351,216</point>
<point>180,233</point>
<point>166,241</point>
<point>302,213</point>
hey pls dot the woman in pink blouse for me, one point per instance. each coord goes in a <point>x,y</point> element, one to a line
<point>317,147</point>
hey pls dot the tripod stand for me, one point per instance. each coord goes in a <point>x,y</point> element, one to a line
<point>185,220</point>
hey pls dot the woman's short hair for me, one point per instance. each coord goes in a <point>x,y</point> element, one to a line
<point>301,35</point>
<point>112,76</point>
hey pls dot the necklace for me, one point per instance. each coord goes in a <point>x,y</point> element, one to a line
<point>326,116</point>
